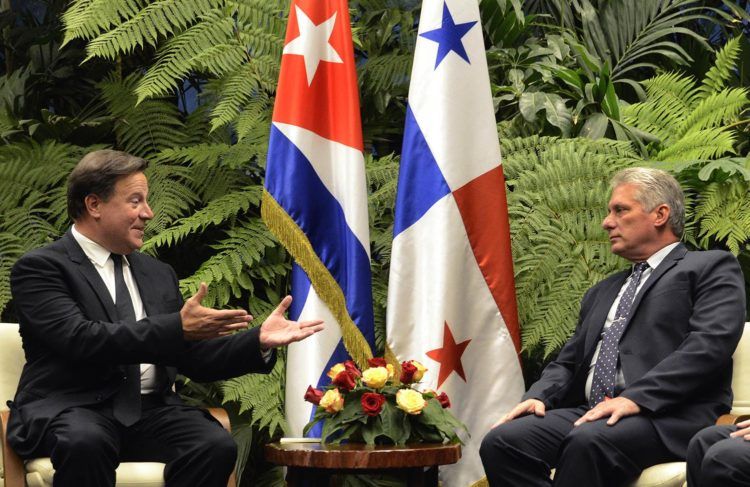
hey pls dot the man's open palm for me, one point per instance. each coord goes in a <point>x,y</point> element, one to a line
<point>277,330</point>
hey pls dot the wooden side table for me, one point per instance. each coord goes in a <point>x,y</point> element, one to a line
<point>317,463</point>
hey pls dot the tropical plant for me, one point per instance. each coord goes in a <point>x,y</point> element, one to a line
<point>695,127</point>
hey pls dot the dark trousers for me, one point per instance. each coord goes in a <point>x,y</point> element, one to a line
<point>522,452</point>
<point>86,444</point>
<point>716,460</point>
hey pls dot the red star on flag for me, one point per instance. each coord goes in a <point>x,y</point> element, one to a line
<point>449,356</point>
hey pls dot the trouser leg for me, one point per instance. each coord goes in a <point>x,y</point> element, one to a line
<point>598,455</point>
<point>195,448</point>
<point>716,460</point>
<point>521,452</point>
<point>84,448</point>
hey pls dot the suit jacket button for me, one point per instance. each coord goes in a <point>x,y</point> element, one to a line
<point>124,378</point>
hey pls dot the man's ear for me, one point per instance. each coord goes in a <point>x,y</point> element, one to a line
<point>93,205</point>
<point>661,215</point>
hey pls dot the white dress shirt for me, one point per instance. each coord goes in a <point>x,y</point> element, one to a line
<point>653,263</point>
<point>105,266</point>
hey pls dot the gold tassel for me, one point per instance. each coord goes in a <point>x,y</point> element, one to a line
<point>298,245</point>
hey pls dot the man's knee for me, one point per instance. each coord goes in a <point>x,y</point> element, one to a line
<point>589,437</point>
<point>219,445</point>
<point>498,439</point>
<point>726,455</point>
<point>88,442</point>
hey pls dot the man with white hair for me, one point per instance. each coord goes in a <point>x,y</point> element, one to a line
<point>649,364</point>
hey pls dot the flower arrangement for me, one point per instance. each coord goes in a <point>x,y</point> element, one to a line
<point>370,406</point>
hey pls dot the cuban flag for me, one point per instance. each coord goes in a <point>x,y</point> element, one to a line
<point>316,197</point>
<point>451,294</point>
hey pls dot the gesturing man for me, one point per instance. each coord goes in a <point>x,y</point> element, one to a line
<point>105,331</point>
<point>648,365</point>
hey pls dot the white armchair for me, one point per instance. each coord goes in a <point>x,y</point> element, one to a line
<point>38,472</point>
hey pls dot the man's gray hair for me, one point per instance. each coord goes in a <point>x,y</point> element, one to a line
<point>656,187</point>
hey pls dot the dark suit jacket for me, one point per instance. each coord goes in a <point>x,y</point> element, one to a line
<point>676,352</point>
<point>75,349</point>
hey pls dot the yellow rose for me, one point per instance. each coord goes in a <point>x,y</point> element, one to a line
<point>410,401</point>
<point>332,401</point>
<point>375,377</point>
<point>421,369</point>
<point>335,370</point>
<point>391,370</point>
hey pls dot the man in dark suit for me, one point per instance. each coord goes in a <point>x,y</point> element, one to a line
<point>648,365</point>
<point>105,330</point>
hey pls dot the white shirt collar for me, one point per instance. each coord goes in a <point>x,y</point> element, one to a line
<point>660,255</point>
<point>95,252</point>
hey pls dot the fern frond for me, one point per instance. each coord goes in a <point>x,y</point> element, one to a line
<point>703,144</point>
<point>722,71</point>
<point>385,72</point>
<point>240,87</point>
<point>86,19</point>
<point>156,21</point>
<point>177,58</point>
<point>715,110</point>
<point>261,395</point>
<point>723,212</point>
<point>170,195</point>
<point>215,212</point>
<point>254,120</point>
<point>144,129</point>
<point>244,246</point>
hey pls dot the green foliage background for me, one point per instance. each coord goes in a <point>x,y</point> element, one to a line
<point>582,88</point>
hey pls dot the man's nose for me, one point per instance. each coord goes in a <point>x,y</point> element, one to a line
<point>147,213</point>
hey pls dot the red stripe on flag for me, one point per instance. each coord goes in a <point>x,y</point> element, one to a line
<point>330,105</point>
<point>484,210</point>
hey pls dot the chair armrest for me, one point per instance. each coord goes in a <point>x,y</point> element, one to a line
<point>15,474</point>
<point>222,417</point>
<point>725,419</point>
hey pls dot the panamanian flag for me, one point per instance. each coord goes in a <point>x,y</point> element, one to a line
<point>316,197</point>
<point>451,294</point>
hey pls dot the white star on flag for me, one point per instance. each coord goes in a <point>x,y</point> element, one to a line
<point>312,43</point>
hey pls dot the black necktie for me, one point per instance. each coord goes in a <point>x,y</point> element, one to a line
<point>605,370</point>
<point>127,402</point>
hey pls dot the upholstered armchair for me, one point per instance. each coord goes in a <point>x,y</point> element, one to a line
<point>38,472</point>
<point>673,474</point>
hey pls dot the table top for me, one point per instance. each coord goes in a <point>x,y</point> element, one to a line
<point>361,456</point>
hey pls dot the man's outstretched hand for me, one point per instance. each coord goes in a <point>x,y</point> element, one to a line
<point>201,323</point>
<point>277,330</point>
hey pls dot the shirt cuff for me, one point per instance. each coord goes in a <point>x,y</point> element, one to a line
<point>266,355</point>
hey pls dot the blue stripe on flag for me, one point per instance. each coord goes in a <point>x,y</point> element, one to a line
<point>297,188</point>
<point>420,182</point>
<point>300,289</point>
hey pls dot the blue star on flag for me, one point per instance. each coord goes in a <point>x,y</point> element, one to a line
<point>449,37</point>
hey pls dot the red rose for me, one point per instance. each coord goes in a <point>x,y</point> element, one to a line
<point>444,400</point>
<point>351,367</point>
<point>313,395</point>
<point>372,403</point>
<point>376,362</point>
<point>344,380</point>
<point>407,372</point>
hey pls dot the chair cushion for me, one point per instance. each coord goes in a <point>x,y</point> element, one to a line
<point>129,474</point>
<point>663,475</point>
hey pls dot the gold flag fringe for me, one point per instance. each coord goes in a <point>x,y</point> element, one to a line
<point>298,245</point>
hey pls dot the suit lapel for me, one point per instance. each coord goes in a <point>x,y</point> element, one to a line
<point>666,265</point>
<point>600,311</point>
<point>89,272</point>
